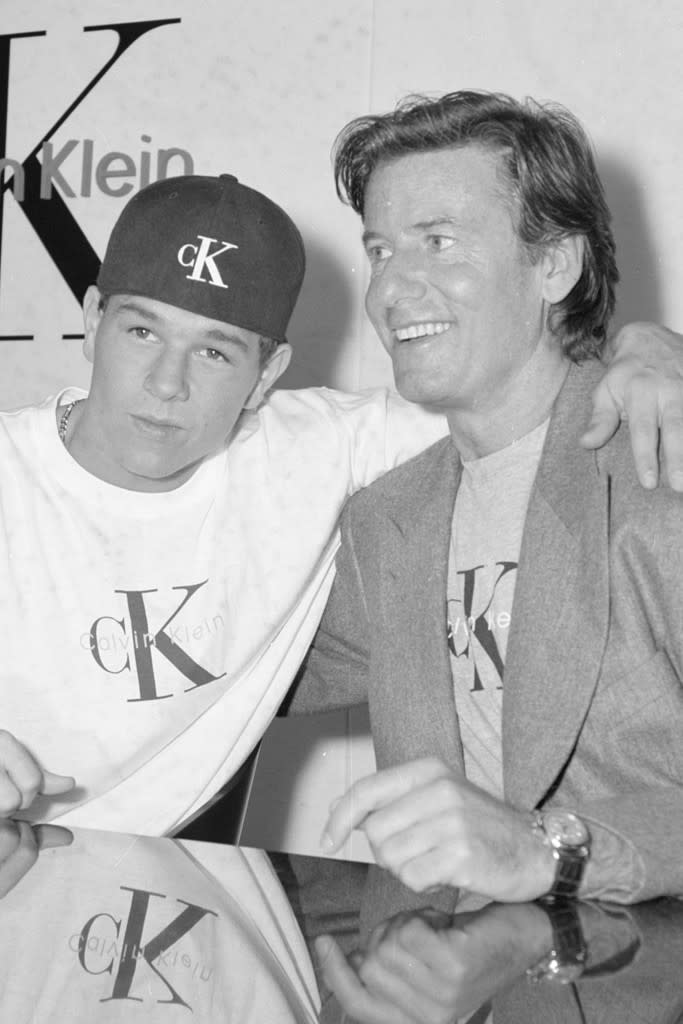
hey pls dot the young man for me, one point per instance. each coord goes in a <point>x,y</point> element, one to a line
<point>168,539</point>
<point>491,289</point>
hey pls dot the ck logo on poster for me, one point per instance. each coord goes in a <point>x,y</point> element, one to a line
<point>109,945</point>
<point>201,258</point>
<point>29,182</point>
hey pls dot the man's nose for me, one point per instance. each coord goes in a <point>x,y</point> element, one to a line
<point>401,279</point>
<point>167,378</point>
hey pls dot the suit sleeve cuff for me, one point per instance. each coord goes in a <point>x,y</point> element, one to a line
<point>616,870</point>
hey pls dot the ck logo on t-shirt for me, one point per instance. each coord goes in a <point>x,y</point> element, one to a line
<point>134,635</point>
<point>106,945</point>
<point>472,623</point>
<point>201,258</point>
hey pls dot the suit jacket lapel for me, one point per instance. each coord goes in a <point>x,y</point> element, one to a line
<point>561,605</point>
<point>412,707</point>
<point>416,676</point>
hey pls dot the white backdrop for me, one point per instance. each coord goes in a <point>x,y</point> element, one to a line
<point>260,90</point>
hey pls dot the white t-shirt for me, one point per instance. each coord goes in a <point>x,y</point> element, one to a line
<point>148,639</point>
<point>488,522</point>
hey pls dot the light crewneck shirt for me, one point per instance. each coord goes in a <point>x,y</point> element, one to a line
<point>488,522</point>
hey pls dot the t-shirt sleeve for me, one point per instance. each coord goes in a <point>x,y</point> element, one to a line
<point>384,430</point>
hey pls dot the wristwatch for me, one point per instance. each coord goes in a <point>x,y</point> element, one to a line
<point>567,957</point>
<point>570,841</point>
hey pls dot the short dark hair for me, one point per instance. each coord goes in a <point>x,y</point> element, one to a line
<point>267,346</point>
<point>551,176</point>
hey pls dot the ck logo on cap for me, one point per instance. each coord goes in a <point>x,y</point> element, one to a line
<point>200,258</point>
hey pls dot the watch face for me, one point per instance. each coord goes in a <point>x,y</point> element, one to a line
<point>565,829</point>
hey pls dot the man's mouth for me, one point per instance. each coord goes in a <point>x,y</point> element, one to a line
<point>424,330</point>
<point>151,425</point>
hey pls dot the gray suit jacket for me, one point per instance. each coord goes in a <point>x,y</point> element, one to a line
<point>593,701</point>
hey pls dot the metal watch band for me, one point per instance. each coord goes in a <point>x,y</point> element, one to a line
<point>570,866</point>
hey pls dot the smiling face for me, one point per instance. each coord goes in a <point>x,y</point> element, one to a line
<point>167,389</point>
<point>454,298</point>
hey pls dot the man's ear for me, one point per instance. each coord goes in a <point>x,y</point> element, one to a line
<point>562,266</point>
<point>274,368</point>
<point>92,315</point>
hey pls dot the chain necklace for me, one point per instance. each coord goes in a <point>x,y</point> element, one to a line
<point>64,421</point>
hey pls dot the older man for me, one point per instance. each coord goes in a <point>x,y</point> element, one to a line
<point>529,747</point>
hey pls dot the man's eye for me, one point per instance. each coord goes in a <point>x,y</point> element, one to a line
<point>140,332</point>
<point>437,243</point>
<point>378,253</point>
<point>214,356</point>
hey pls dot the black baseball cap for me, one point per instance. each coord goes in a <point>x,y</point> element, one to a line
<point>209,245</point>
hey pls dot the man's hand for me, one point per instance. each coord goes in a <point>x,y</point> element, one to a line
<point>423,968</point>
<point>431,828</point>
<point>22,778</point>
<point>20,845</point>
<point>644,385</point>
